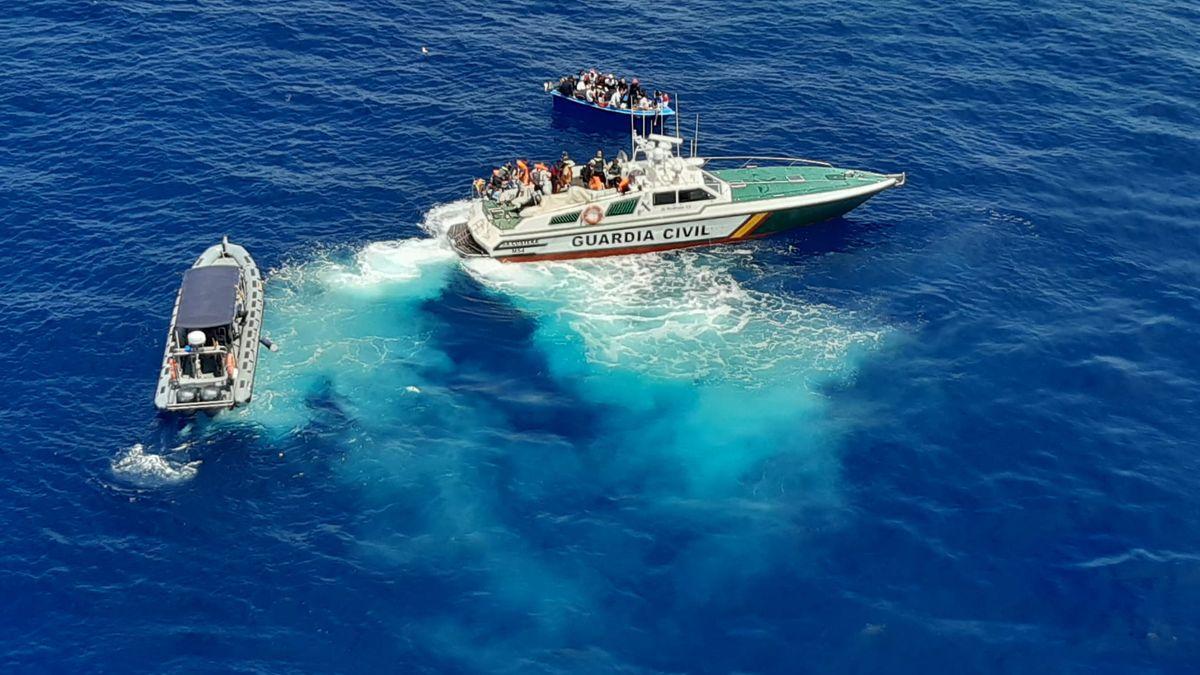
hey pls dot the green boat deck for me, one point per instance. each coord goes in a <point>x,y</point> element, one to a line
<point>774,182</point>
<point>503,216</point>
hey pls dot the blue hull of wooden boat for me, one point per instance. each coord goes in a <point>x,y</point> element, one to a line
<point>610,117</point>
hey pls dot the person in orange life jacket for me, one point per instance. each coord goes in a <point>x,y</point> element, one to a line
<point>523,172</point>
<point>596,183</point>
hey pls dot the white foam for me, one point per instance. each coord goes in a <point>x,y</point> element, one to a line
<point>681,315</point>
<point>352,324</point>
<point>137,466</point>
<point>389,262</point>
<point>442,217</point>
<point>385,262</point>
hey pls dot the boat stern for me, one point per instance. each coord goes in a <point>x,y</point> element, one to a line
<point>479,235</point>
<point>464,243</point>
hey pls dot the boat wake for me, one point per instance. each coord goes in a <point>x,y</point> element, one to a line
<point>353,333</point>
<point>142,469</point>
<point>679,316</point>
<point>655,393</point>
<point>671,343</point>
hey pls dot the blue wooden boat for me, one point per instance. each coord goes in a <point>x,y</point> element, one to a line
<point>614,117</point>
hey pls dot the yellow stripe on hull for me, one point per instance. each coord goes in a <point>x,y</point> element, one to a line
<point>749,226</point>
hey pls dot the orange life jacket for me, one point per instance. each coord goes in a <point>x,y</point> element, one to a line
<point>597,183</point>
<point>523,172</point>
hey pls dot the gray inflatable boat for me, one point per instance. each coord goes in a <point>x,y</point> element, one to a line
<point>212,349</point>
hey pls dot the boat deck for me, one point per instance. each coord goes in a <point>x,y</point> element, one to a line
<point>503,216</point>
<point>774,182</point>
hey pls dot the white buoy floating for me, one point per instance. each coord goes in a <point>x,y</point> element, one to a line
<point>424,51</point>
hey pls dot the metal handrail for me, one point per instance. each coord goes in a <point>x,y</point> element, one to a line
<point>753,158</point>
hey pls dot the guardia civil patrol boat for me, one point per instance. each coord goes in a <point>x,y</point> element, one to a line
<point>212,344</point>
<point>668,202</point>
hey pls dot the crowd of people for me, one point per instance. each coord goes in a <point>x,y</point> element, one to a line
<point>609,91</point>
<point>524,182</point>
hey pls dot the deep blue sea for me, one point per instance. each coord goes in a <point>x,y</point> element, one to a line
<point>957,431</point>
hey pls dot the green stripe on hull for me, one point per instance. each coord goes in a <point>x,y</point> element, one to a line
<point>781,221</point>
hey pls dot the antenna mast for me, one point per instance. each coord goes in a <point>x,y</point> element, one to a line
<point>696,137</point>
<point>676,115</point>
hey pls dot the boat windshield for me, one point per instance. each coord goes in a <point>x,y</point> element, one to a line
<point>712,182</point>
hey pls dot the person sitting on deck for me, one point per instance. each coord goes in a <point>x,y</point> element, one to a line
<point>596,183</point>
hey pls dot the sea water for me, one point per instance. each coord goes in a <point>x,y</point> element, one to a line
<point>953,431</point>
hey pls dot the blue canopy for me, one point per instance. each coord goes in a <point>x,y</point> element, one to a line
<point>209,297</point>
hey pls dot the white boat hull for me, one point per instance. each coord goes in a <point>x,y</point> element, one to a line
<point>682,227</point>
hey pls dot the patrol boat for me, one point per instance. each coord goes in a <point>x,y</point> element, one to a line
<point>212,347</point>
<point>666,202</point>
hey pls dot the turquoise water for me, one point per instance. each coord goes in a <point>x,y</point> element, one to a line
<point>953,431</point>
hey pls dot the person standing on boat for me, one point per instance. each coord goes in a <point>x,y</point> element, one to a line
<point>594,167</point>
<point>613,172</point>
<point>563,173</point>
<point>541,179</point>
<point>635,92</point>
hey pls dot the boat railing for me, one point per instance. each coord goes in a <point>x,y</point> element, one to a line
<point>750,161</point>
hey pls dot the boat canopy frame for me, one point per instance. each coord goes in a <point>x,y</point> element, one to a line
<point>208,298</point>
<point>747,160</point>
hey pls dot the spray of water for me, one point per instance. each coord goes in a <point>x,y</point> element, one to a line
<point>143,469</point>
